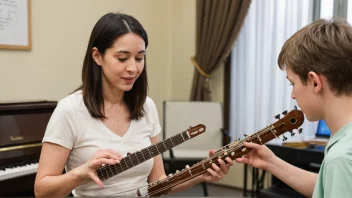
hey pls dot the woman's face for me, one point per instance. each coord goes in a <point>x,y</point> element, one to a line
<point>122,63</point>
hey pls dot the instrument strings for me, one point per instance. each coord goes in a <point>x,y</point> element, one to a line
<point>124,166</point>
<point>217,154</point>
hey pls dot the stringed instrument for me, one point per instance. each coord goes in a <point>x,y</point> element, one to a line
<point>107,171</point>
<point>291,120</point>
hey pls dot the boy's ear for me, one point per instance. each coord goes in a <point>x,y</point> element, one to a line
<point>315,80</point>
<point>96,56</point>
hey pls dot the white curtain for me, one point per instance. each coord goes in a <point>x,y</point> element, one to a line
<point>259,89</point>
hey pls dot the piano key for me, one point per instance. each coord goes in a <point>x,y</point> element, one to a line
<point>10,173</point>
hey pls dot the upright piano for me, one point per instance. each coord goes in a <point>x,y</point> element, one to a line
<point>22,127</point>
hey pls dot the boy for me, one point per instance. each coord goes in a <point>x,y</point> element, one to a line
<point>318,63</point>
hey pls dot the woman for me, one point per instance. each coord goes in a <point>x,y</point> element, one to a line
<point>108,116</point>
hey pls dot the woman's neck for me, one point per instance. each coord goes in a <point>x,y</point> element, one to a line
<point>112,95</point>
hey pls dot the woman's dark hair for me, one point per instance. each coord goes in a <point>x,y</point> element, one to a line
<point>105,32</point>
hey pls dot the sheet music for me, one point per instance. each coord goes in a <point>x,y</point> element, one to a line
<point>13,22</point>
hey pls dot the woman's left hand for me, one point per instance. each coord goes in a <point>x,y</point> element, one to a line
<point>216,173</point>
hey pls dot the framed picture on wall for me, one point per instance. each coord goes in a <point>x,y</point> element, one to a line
<point>15,24</point>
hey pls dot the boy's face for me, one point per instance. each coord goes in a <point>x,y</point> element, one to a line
<point>306,98</point>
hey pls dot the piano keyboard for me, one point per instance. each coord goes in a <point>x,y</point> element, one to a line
<point>18,171</point>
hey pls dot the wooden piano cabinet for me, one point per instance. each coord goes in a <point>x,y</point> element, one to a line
<point>18,187</point>
<point>22,128</point>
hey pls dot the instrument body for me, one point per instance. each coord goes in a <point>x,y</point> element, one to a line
<point>107,171</point>
<point>292,120</point>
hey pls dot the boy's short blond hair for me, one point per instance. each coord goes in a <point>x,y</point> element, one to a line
<point>325,47</point>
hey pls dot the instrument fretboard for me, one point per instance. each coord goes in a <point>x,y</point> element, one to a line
<point>132,160</point>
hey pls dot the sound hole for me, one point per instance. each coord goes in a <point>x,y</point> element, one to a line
<point>293,120</point>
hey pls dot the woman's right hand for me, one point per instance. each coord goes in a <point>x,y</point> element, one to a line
<point>259,157</point>
<point>87,171</point>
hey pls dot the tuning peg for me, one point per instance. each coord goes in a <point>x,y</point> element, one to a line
<point>277,116</point>
<point>170,175</point>
<point>187,166</point>
<point>129,154</point>
<point>284,113</point>
<point>245,135</point>
<point>284,138</point>
<point>300,130</point>
<point>292,133</point>
<point>295,107</point>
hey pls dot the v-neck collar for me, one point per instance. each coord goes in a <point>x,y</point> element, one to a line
<point>113,133</point>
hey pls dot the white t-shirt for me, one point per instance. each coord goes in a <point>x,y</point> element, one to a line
<point>72,127</point>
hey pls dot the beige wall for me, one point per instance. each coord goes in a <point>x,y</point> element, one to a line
<point>61,30</point>
<point>60,33</point>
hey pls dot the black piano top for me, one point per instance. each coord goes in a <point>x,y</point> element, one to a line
<point>27,106</point>
<point>22,128</point>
